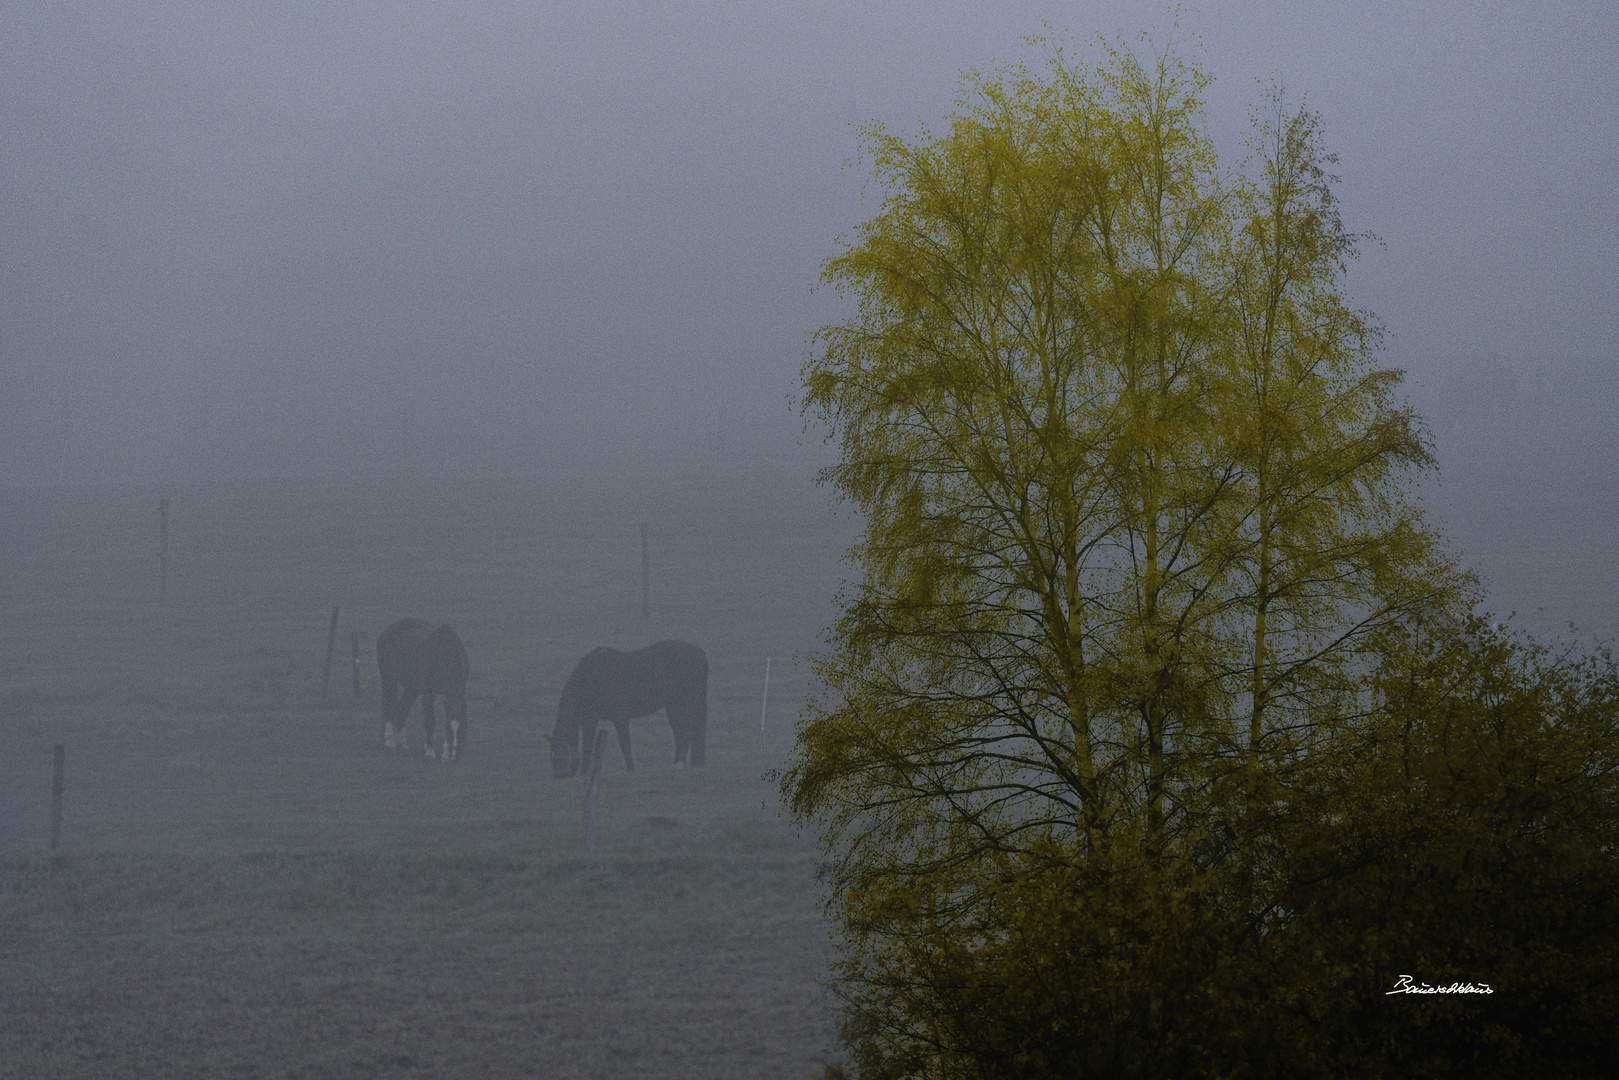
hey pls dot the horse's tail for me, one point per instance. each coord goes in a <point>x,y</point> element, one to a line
<point>447,658</point>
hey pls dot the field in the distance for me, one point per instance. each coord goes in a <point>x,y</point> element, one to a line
<point>251,885</point>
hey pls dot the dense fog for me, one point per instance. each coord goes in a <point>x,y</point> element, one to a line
<point>305,238</point>
<point>492,312</point>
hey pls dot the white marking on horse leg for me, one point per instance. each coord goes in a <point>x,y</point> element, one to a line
<point>389,738</point>
<point>680,764</point>
<point>430,750</point>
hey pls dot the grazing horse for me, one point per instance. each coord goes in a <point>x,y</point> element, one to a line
<point>417,661</point>
<point>616,687</point>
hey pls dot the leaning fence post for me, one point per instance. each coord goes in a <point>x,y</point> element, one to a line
<point>331,646</point>
<point>593,789</point>
<point>56,796</point>
<point>765,704</point>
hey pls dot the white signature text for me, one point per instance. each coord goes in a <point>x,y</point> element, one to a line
<point>1408,985</point>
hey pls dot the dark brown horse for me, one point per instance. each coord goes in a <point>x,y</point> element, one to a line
<point>417,661</point>
<point>615,687</point>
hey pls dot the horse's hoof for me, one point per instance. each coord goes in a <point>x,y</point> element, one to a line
<point>430,752</point>
<point>680,764</point>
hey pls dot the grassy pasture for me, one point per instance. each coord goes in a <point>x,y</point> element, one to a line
<point>250,884</point>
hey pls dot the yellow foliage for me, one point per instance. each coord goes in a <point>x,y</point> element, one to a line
<point>1137,504</point>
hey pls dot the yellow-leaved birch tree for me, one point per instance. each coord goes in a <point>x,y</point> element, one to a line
<point>1135,493</point>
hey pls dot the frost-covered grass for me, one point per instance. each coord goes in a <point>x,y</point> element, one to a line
<point>249,884</point>
<point>394,965</point>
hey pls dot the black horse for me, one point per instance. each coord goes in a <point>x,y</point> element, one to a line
<point>616,687</point>
<point>417,661</point>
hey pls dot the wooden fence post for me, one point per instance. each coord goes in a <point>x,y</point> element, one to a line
<point>593,789</point>
<point>646,575</point>
<point>162,552</point>
<point>766,703</point>
<point>354,642</point>
<point>331,646</point>
<point>56,796</point>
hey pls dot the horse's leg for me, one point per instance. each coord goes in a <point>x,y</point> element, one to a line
<point>429,721</point>
<point>407,701</point>
<point>449,728</point>
<point>390,694</point>
<point>623,727</point>
<point>587,745</point>
<point>677,724</point>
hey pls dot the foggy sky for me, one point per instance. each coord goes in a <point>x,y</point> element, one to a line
<point>273,238</point>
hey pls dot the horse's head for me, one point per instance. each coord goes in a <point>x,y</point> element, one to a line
<point>564,759</point>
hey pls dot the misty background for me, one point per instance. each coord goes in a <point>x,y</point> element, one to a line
<point>427,308</point>
<point>299,239</point>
